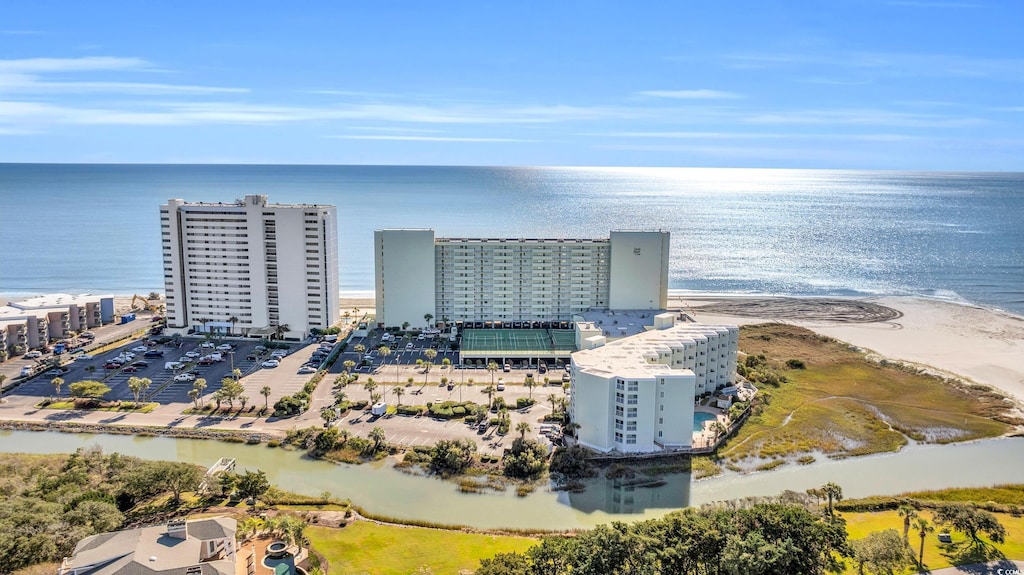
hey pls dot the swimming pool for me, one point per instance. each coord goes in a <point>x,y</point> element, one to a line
<point>699,418</point>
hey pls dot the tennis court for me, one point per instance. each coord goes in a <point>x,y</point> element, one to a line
<point>518,342</point>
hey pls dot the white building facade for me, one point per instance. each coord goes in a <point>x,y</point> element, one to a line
<point>636,394</point>
<point>34,322</point>
<point>509,280</point>
<point>250,268</point>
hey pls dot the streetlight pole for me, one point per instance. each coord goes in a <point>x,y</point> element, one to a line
<point>231,354</point>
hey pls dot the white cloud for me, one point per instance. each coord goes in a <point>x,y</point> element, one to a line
<point>863,117</point>
<point>35,65</point>
<point>756,136</point>
<point>702,94</point>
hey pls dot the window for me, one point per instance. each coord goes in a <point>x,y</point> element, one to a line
<point>618,437</point>
<point>631,412</point>
<point>631,426</point>
<point>631,439</point>
<point>619,397</point>
<point>632,400</point>
<point>661,420</point>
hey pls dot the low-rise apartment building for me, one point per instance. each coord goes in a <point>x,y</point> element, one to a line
<point>34,322</point>
<point>637,394</point>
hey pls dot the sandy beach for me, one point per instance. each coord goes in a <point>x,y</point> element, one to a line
<point>981,345</point>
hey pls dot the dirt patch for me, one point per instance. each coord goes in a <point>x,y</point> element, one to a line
<point>804,309</point>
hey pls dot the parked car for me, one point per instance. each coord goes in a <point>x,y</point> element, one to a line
<point>84,357</point>
<point>112,365</point>
<point>87,335</point>
<point>140,349</point>
<point>207,345</point>
<point>225,347</point>
<point>33,355</point>
<point>26,371</point>
<point>408,346</point>
<point>205,361</point>
<point>566,378</point>
<point>154,353</point>
<point>501,385</point>
<point>270,363</point>
<point>307,369</point>
<point>193,354</point>
<point>251,357</point>
<point>184,377</point>
<point>54,373</point>
<point>141,363</point>
<point>260,348</point>
<point>130,369</point>
<point>507,367</point>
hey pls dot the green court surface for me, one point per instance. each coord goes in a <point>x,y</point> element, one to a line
<point>518,341</point>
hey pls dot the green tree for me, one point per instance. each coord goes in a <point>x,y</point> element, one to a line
<point>451,456</point>
<point>908,513</point>
<point>360,349</point>
<point>349,365</point>
<point>427,317</point>
<point>176,477</point>
<point>193,394</point>
<point>530,384</point>
<point>924,527</point>
<point>492,368</point>
<point>280,330</point>
<point>377,436</point>
<point>234,320</point>
<point>3,380</point>
<point>232,389</point>
<point>384,352</point>
<point>885,551</point>
<point>57,383</point>
<point>265,391</point>
<point>523,428</point>
<point>834,493</point>
<point>398,391</point>
<point>490,391</point>
<point>253,484</point>
<point>89,388</point>
<point>138,386</point>
<point>430,355</point>
<point>972,522</point>
<point>329,415</point>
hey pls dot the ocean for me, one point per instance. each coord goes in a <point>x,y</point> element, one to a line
<point>955,236</point>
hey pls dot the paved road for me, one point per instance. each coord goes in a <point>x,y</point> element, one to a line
<point>1004,567</point>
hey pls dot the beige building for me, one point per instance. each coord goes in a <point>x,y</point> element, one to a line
<point>637,394</point>
<point>250,267</point>
<point>34,322</point>
<point>514,280</point>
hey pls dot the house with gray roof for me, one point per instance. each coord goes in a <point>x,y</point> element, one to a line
<point>179,547</point>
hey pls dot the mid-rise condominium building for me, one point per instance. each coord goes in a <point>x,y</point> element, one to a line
<point>34,322</point>
<point>502,281</point>
<point>637,394</point>
<point>250,268</point>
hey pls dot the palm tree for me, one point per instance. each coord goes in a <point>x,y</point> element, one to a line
<point>553,400</point>
<point>377,436</point>
<point>446,363</point>
<point>236,373</point>
<point>375,397</point>
<point>243,399</point>
<point>493,368</point>
<point>199,385</point>
<point>405,326</point>
<point>57,382</point>
<point>329,415</point>
<point>360,349</point>
<point>523,428</point>
<point>296,528</point>
<point>349,365</point>
<point>529,383</point>
<point>431,354</point>
<point>923,529</point>
<point>571,428</point>
<point>908,514</point>
<point>370,385</point>
<point>193,394</point>
<point>280,330</point>
<point>427,317</point>
<point>3,378</point>
<point>834,493</point>
<point>265,392</point>
<point>398,391</point>
<point>233,320</point>
<point>489,390</point>
<point>135,386</point>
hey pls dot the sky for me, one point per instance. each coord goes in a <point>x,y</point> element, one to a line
<point>846,84</point>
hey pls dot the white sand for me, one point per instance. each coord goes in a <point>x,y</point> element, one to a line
<point>977,344</point>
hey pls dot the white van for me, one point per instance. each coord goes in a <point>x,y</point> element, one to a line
<point>173,365</point>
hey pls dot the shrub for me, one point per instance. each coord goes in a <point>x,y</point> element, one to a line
<point>524,402</point>
<point>795,364</point>
<point>452,456</point>
<point>572,463</point>
<point>526,459</point>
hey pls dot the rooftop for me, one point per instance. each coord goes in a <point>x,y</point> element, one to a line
<point>636,356</point>
<point>57,300</point>
<point>249,200</point>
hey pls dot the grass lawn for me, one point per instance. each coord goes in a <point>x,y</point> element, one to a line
<point>938,555</point>
<point>843,404</point>
<point>365,547</point>
<point>126,406</point>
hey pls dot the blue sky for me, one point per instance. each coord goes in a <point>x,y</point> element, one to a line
<point>886,84</point>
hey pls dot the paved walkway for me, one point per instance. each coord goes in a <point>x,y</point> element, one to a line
<point>1004,567</point>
